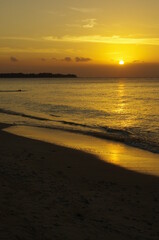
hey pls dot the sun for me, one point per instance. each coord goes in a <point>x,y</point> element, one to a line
<point>121,62</point>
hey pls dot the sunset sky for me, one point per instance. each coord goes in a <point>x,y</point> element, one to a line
<point>86,37</point>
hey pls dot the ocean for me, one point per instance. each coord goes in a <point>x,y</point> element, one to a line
<point>120,109</point>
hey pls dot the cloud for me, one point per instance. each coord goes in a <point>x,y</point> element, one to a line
<point>13,50</point>
<point>19,38</point>
<point>89,23</point>
<point>43,59</point>
<point>85,38</point>
<point>82,59</point>
<point>54,59</point>
<point>138,61</point>
<point>103,39</point>
<point>86,23</point>
<point>13,59</point>
<point>82,10</point>
<point>67,59</point>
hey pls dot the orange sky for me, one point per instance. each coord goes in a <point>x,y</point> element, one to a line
<point>87,38</point>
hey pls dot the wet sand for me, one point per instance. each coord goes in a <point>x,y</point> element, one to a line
<point>109,151</point>
<point>54,192</point>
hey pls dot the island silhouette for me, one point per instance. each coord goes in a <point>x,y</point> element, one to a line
<point>36,75</point>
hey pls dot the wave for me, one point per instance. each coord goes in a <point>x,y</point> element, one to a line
<point>130,138</point>
<point>104,132</point>
<point>65,109</point>
<point>112,134</point>
<point>74,124</point>
<point>113,130</point>
<point>10,112</point>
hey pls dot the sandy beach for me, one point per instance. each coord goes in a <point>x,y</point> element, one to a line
<point>53,192</point>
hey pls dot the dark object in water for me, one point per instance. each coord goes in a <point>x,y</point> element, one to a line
<point>11,91</point>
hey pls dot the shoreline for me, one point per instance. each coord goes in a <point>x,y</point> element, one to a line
<point>54,192</point>
<point>113,152</point>
<point>87,130</point>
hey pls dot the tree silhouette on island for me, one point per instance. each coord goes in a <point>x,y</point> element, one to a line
<point>36,75</point>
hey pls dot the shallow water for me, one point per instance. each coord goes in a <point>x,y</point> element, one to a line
<point>125,110</point>
<point>115,153</point>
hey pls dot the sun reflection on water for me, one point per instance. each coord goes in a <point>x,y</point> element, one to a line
<point>121,93</point>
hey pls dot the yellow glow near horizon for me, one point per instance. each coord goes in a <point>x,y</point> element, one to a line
<point>79,38</point>
<point>121,62</point>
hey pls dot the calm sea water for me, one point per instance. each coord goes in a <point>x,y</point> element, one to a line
<point>125,110</point>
